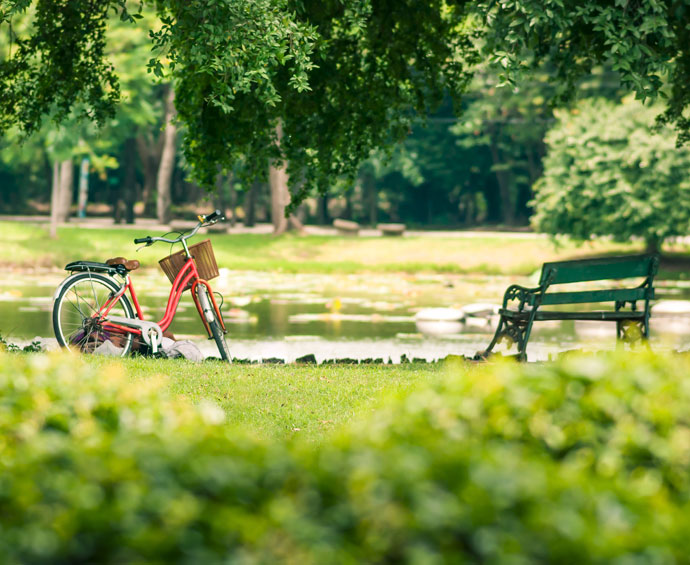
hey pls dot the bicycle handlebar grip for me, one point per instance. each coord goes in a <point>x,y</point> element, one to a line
<point>146,239</point>
<point>213,216</point>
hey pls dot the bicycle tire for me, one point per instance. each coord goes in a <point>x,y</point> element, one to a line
<point>216,328</point>
<point>86,337</point>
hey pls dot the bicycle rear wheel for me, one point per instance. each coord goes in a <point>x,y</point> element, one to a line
<point>75,321</point>
<point>213,322</point>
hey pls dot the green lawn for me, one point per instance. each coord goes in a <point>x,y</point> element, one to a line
<point>27,245</point>
<point>281,401</point>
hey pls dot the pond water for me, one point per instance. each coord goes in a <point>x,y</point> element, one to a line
<point>286,316</point>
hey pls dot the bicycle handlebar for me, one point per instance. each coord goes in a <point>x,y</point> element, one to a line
<point>212,218</point>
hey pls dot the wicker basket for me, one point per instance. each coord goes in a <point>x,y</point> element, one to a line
<point>203,256</point>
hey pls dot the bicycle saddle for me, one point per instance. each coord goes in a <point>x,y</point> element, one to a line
<point>92,266</point>
<point>131,265</point>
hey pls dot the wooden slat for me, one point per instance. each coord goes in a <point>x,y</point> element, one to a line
<point>594,315</point>
<point>586,296</point>
<point>598,269</point>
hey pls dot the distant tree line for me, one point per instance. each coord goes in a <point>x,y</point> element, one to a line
<point>313,99</point>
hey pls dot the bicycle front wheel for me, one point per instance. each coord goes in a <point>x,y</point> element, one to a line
<point>76,322</point>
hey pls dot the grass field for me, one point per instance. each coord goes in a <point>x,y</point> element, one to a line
<point>27,245</point>
<point>281,401</point>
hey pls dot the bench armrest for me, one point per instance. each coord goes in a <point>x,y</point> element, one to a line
<point>521,293</point>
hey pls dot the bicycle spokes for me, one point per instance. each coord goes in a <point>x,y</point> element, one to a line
<point>80,322</point>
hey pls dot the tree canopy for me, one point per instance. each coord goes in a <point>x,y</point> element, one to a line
<point>607,173</point>
<point>646,41</point>
<point>341,78</point>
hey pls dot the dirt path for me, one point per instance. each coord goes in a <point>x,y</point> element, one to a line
<point>153,225</point>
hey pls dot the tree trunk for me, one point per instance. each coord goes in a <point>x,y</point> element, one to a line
<point>226,197</point>
<point>323,217</point>
<point>471,215</point>
<point>167,163</point>
<point>371,197</point>
<point>83,187</point>
<point>347,212</point>
<point>219,197</point>
<point>280,195</point>
<point>507,207</point>
<point>149,155</point>
<point>277,179</point>
<point>230,212</point>
<point>66,189</point>
<point>233,202</point>
<point>492,195</point>
<point>116,203</point>
<point>129,180</point>
<point>653,244</point>
<point>295,223</point>
<point>250,205</point>
<point>533,167</point>
<point>55,200</point>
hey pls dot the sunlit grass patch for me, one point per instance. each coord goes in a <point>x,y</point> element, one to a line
<point>279,401</point>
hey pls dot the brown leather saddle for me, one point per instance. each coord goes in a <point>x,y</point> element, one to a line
<point>130,265</point>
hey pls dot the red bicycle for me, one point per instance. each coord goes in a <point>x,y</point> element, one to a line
<point>93,314</point>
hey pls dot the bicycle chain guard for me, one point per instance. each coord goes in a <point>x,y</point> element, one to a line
<point>148,329</point>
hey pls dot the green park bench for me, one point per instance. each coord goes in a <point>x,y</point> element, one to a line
<point>523,306</point>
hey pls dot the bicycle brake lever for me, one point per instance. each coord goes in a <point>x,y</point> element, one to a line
<point>142,247</point>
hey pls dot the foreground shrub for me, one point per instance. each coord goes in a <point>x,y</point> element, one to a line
<point>583,460</point>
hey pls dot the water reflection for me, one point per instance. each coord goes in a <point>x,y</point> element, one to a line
<point>356,316</point>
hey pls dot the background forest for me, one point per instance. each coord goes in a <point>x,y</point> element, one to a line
<point>503,154</point>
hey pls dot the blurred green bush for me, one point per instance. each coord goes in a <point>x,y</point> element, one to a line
<point>585,460</point>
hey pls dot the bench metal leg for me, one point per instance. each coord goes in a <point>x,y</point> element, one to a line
<point>517,331</point>
<point>494,340</point>
<point>632,332</point>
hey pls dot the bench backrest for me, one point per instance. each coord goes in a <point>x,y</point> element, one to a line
<point>583,270</point>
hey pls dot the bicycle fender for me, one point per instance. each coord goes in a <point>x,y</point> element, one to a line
<point>67,280</point>
<point>207,308</point>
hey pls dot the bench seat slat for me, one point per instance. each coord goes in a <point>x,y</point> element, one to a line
<point>594,315</point>
<point>609,295</point>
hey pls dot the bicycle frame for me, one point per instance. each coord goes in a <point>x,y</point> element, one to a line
<point>188,275</point>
